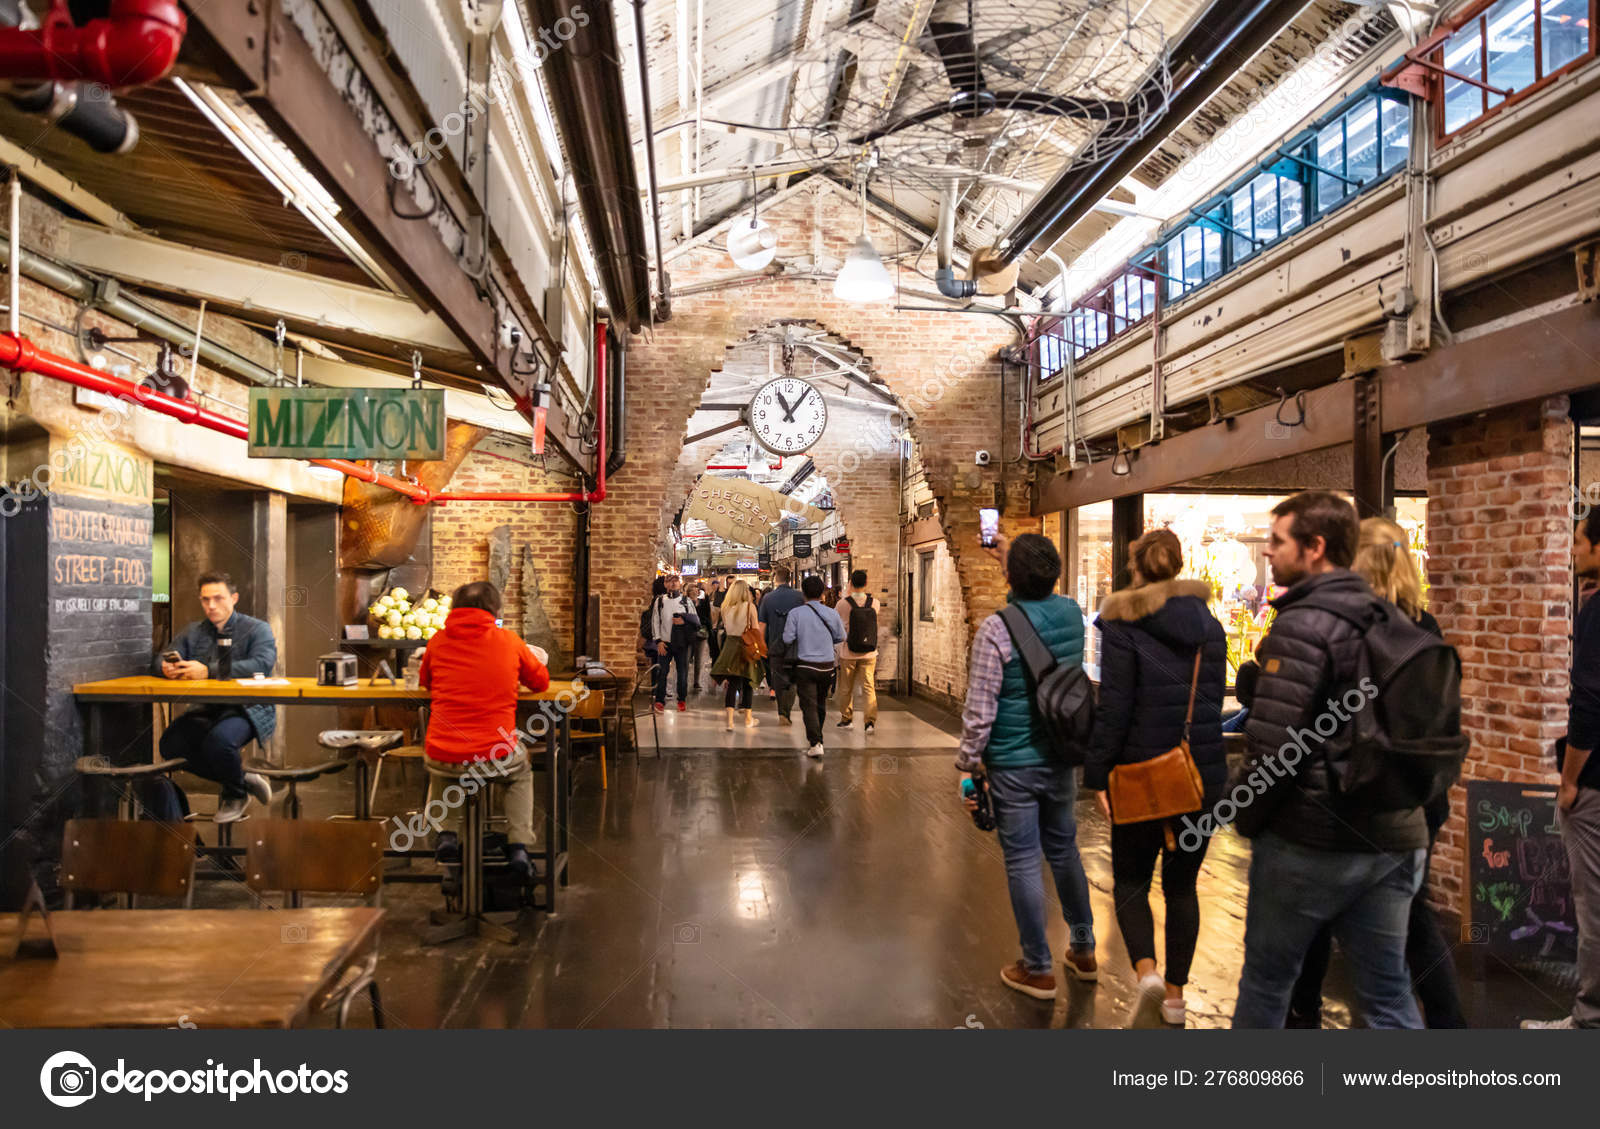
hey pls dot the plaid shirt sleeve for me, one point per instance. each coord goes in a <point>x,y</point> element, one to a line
<point>991,650</point>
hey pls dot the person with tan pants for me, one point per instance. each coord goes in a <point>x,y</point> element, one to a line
<point>858,654</point>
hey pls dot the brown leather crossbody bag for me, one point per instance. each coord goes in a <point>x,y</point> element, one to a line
<point>1165,786</point>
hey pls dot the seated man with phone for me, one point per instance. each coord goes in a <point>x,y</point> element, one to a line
<point>225,644</point>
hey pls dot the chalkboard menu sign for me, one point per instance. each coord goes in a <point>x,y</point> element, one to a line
<point>1520,893</point>
<point>802,546</point>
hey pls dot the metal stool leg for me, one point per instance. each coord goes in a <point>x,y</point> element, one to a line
<point>472,918</point>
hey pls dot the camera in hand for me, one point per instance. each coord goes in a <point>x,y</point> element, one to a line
<point>977,788</point>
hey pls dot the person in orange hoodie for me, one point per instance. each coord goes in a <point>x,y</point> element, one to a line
<point>473,668</point>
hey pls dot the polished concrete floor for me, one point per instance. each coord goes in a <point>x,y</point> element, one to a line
<point>734,883</point>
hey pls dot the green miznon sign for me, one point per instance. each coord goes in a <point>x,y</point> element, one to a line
<point>347,423</point>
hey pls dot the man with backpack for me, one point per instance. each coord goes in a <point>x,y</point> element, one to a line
<point>860,651</point>
<point>1340,760</point>
<point>673,624</point>
<point>1010,747</point>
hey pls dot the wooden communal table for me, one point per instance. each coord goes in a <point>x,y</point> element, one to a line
<point>550,860</point>
<point>187,967</point>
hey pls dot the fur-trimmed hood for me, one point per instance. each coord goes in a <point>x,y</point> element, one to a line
<point>1175,610</point>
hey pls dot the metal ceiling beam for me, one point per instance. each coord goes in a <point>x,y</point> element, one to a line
<point>1214,48</point>
<point>1551,355</point>
<point>303,301</point>
<point>260,51</point>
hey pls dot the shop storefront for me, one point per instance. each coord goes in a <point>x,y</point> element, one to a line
<point>1224,539</point>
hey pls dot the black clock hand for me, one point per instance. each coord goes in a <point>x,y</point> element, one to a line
<point>788,412</point>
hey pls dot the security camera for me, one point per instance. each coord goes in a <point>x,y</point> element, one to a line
<point>981,458</point>
<point>510,335</point>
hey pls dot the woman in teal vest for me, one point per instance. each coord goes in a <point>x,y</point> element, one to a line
<point>1003,739</point>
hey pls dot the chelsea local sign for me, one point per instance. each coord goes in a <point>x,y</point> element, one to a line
<point>347,423</point>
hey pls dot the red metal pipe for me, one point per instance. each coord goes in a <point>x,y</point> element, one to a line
<point>744,466</point>
<point>21,355</point>
<point>136,43</point>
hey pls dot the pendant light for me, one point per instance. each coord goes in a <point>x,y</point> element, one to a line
<point>863,278</point>
<point>752,244</point>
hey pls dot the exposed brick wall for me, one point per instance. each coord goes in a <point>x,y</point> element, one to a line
<point>461,536</point>
<point>1499,563</point>
<point>943,366</point>
<point>940,648</point>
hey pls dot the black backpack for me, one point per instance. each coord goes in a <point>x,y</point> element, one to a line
<point>1063,696</point>
<point>1404,747</point>
<point>862,636</point>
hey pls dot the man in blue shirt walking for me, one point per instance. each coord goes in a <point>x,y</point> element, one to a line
<point>813,630</point>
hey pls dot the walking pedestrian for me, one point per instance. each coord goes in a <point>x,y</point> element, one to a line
<point>813,631</point>
<point>860,656</point>
<point>1163,666</point>
<point>673,623</point>
<point>1003,746</point>
<point>1319,856</point>
<point>775,607</point>
<point>737,673</point>
<point>1384,560</point>
<point>1578,801</point>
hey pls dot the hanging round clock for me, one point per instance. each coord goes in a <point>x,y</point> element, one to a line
<point>787,415</point>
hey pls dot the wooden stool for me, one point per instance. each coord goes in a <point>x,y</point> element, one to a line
<point>447,925</point>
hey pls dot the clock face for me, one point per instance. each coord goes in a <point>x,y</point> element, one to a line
<point>787,415</point>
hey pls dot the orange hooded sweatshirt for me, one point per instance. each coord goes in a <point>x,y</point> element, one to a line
<point>472,668</point>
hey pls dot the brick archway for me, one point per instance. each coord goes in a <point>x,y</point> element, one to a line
<point>943,366</point>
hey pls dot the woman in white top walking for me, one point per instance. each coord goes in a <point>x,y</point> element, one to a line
<point>737,674</point>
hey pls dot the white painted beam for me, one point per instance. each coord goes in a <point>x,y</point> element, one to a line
<point>293,295</point>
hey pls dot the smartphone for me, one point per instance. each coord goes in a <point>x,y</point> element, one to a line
<point>171,656</point>
<point>988,526</point>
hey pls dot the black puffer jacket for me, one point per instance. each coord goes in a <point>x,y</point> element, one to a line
<point>1289,776</point>
<point>1148,639</point>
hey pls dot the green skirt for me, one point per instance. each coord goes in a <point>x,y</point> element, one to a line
<point>731,662</point>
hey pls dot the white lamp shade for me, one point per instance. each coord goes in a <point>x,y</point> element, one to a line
<point>863,278</point>
<point>752,244</point>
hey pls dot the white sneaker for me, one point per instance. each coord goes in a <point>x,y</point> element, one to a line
<point>231,810</point>
<point>1173,1012</point>
<point>1152,987</point>
<point>259,787</point>
<point>815,752</point>
<point>1565,1023</point>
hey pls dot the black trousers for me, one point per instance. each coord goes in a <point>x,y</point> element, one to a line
<point>1428,955</point>
<point>736,694</point>
<point>812,685</point>
<point>1134,850</point>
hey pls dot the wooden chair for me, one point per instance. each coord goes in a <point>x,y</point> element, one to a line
<point>317,857</point>
<point>133,857</point>
<point>592,709</point>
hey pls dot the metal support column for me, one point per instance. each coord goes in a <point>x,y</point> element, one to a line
<point>1373,475</point>
<point>1127,525</point>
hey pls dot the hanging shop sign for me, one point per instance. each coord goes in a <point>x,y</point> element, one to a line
<point>802,546</point>
<point>842,545</point>
<point>347,423</point>
<point>741,511</point>
<point>689,568</point>
<point>764,559</point>
<point>745,564</point>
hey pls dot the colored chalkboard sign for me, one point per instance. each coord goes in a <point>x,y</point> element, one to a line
<point>1520,890</point>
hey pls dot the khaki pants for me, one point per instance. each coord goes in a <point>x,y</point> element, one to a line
<point>865,669</point>
<point>510,773</point>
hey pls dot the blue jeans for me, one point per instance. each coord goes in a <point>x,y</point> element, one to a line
<point>1033,810</point>
<point>211,745</point>
<point>1294,892</point>
<point>680,656</point>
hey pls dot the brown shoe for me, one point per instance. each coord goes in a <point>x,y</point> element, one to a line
<point>1081,964</point>
<point>1018,977</point>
